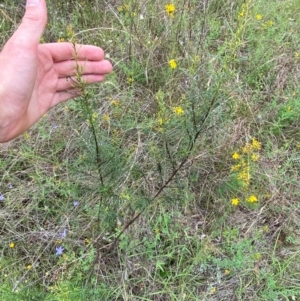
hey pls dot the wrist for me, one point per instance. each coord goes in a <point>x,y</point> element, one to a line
<point>10,128</point>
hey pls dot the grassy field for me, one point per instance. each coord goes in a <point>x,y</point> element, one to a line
<point>175,179</point>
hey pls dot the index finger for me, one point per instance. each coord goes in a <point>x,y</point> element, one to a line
<point>67,51</point>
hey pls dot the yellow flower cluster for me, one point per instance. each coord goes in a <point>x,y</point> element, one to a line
<point>130,80</point>
<point>170,10</point>
<point>70,31</point>
<point>244,174</point>
<point>243,170</point>
<point>123,8</point>
<point>93,118</point>
<point>68,36</point>
<point>243,11</point>
<point>161,120</point>
<point>249,152</point>
<point>115,102</point>
<point>26,135</point>
<point>251,148</point>
<point>251,199</point>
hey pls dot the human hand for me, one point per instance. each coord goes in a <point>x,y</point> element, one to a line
<point>36,77</point>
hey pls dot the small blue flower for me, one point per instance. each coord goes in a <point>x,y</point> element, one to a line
<point>64,233</point>
<point>2,198</point>
<point>10,186</point>
<point>75,203</point>
<point>59,250</point>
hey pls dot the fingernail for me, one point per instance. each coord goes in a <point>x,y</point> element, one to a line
<point>32,3</point>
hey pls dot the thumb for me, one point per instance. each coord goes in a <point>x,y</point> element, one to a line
<point>33,23</point>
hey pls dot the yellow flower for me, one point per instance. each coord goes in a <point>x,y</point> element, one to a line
<point>197,58</point>
<point>235,167</point>
<point>94,116</point>
<point>156,231</point>
<point>170,10</point>
<point>265,229</point>
<point>227,272</point>
<point>241,14</point>
<point>173,64</point>
<point>60,40</point>
<point>130,80</point>
<point>213,290</point>
<point>247,148</point>
<point>28,267</point>
<point>257,256</point>
<point>26,135</point>
<point>236,156</point>
<point>256,145</point>
<point>244,177</point>
<point>252,199</point>
<point>244,174</point>
<point>70,31</point>
<point>235,202</point>
<point>255,157</point>
<point>115,103</point>
<point>11,245</point>
<point>258,17</point>
<point>268,23</point>
<point>106,118</point>
<point>178,111</point>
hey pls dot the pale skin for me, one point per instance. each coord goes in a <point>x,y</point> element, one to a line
<point>36,77</point>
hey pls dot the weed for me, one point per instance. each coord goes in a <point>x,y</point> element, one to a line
<point>177,177</point>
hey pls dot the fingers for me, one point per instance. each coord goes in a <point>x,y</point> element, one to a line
<point>33,24</point>
<point>69,68</point>
<point>64,96</point>
<point>66,87</point>
<point>67,83</point>
<point>66,51</point>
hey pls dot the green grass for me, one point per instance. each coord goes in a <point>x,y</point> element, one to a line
<point>154,219</point>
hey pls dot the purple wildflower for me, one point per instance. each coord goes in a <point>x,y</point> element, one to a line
<point>2,198</point>
<point>10,186</point>
<point>75,203</point>
<point>59,250</point>
<point>64,233</point>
